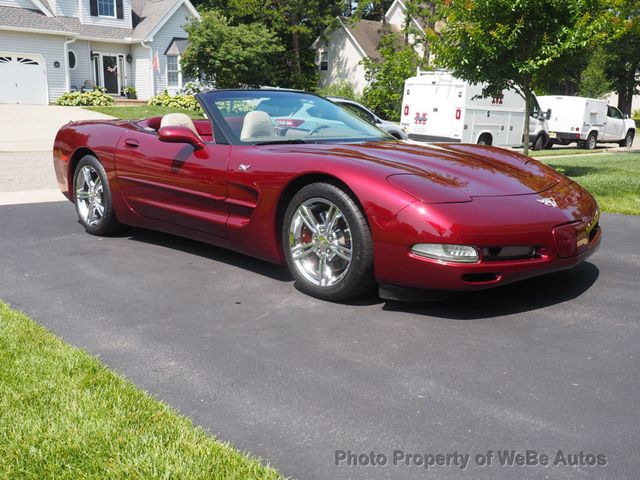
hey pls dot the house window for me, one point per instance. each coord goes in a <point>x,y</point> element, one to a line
<point>72,60</point>
<point>324,61</point>
<point>173,71</point>
<point>107,8</point>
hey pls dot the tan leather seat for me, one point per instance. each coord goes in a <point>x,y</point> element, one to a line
<point>178,120</point>
<point>257,125</point>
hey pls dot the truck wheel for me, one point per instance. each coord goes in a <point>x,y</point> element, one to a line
<point>485,139</point>
<point>539,143</point>
<point>628,140</point>
<point>592,139</point>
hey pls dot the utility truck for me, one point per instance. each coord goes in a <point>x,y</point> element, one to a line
<point>438,107</point>
<point>586,121</point>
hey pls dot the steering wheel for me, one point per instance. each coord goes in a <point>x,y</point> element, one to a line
<point>317,129</point>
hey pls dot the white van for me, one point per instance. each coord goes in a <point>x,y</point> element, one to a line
<point>586,121</point>
<point>436,107</point>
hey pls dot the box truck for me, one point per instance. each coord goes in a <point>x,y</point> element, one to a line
<point>586,121</point>
<point>438,107</point>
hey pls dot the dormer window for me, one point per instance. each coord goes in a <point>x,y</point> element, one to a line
<point>107,8</point>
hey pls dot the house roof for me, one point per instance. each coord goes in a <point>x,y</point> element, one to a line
<point>367,34</point>
<point>177,46</point>
<point>24,18</point>
<point>148,17</point>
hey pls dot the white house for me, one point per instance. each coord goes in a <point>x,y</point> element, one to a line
<point>339,51</point>
<point>48,47</point>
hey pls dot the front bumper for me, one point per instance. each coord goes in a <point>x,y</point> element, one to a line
<point>562,236</point>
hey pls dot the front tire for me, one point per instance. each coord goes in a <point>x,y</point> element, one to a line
<point>539,143</point>
<point>327,243</point>
<point>92,197</point>
<point>628,140</point>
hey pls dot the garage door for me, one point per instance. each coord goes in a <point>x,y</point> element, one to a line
<point>23,78</point>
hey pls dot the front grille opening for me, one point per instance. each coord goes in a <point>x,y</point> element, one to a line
<point>594,232</point>
<point>479,277</point>
<point>508,253</point>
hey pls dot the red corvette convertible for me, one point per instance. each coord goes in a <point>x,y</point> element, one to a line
<point>290,177</point>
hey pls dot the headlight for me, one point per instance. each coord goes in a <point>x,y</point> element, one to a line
<point>447,253</point>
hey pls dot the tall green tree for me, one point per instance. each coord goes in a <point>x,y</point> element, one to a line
<point>623,54</point>
<point>594,82</point>
<point>386,76</point>
<point>230,55</point>
<point>509,45</point>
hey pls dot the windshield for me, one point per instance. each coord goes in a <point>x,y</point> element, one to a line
<point>274,116</point>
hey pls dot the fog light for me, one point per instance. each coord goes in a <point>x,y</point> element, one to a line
<point>447,253</point>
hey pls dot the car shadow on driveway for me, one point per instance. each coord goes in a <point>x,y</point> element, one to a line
<point>211,252</point>
<point>524,296</point>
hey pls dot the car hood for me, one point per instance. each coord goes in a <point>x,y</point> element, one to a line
<point>473,170</point>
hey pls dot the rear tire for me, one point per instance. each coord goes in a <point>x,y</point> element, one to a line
<point>92,197</point>
<point>327,243</point>
<point>591,141</point>
<point>485,139</point>
<point>628,140</point>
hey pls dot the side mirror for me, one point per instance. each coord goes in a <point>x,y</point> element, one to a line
<point>625,116</point>
<point>179,134</point>
<point>548,113</point>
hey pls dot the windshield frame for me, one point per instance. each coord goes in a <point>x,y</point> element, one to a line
<point>223,133</point>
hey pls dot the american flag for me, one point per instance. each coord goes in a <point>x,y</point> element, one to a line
<point>156,62</point>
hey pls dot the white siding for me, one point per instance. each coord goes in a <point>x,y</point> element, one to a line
<point>82,71</point>
<point>344,61</point>
<point>51,47</point>
<point>162,39</point>
<point>395,15</point>
<point>65,8</point>
<point>106,21</point>
<point>18,3</point>
<point>141,71</point>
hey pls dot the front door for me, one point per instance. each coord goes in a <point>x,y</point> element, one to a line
<point>110,73</point>
<point>174,183</point>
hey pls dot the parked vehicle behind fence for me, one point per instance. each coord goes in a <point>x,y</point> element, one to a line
<point>436,106</point>
<point>586,121</point>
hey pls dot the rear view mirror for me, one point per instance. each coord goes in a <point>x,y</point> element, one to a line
<point>179,134</point>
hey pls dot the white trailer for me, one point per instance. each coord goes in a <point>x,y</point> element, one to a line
<point>436,107</point>
<point>586,121</point>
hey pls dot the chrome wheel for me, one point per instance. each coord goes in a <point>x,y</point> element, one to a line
<point>89,195</point>
<point>320,242</point>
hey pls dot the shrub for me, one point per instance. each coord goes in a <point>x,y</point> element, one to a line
<point>342,89</point>
<point>95,98</point>
<point>179,102</point>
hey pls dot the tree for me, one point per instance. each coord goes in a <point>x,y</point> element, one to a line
<point>296,24</point>
<point>509,45</point>
<point>230,56</point>
<point>594,82</point>
<point>623,66</point>
<point>387,75</point>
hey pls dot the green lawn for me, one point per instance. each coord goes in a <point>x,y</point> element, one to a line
<point>613,179</point>
<point>141,111</point>
<point>64,415</point>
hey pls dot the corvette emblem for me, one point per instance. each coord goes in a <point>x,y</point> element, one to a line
<point>548,201</point>
<point>243,168</point>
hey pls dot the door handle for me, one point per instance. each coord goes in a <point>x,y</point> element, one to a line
<point>131,142</point>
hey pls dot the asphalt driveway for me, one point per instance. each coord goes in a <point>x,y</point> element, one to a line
<point>548,364</point>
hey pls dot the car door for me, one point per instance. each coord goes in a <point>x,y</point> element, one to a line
<point>615,125</point>
<point>173,182</point>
